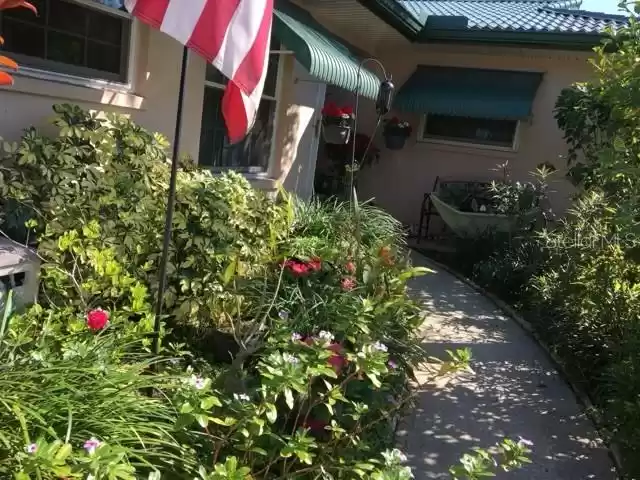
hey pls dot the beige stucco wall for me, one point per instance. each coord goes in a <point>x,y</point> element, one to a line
<point>401,178</point>
<point>152,101</point>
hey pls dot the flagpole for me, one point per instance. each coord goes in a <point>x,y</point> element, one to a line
<point>168,224</point>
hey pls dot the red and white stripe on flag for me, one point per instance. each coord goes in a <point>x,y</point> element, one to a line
<point>233,35</point>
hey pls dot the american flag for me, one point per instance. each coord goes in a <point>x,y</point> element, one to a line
<point>233,35</point>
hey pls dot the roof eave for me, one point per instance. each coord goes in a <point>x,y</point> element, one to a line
<point>559,40</point>
<point>396,16</point>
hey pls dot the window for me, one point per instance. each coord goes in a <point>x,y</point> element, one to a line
<point>466,130</point>
<point>88,38</point>
<point>252,154</point>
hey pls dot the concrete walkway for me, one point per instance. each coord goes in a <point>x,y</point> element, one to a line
<point>514,392</point>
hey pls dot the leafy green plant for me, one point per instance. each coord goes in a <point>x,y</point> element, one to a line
<point>99,188</point>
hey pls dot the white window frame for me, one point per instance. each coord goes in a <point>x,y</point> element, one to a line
<point>92,82</point>
<point>257,172</point>
<point>469,143</point>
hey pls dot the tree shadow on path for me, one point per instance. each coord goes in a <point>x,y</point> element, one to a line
<point>514,392</point>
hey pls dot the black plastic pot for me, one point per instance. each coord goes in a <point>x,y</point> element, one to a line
<point>395,142</point>
<point>336,134</point>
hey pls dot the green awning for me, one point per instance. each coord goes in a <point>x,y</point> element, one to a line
<point>325,56</point>
<point>469,92</point>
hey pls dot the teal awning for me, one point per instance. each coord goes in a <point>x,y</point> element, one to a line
<point>469,92</point>
<point>324,55</point>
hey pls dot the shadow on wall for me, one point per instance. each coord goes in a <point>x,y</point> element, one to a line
<point>291,164</point>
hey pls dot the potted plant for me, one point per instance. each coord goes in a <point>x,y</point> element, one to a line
<point>395,133</point>
<point>337,123</point>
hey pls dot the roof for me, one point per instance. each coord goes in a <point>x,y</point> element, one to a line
<point>516,16</point>
<point>547,22</point>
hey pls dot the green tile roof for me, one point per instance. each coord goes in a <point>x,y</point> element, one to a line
<point>324,55</point>
<point>526,16</point>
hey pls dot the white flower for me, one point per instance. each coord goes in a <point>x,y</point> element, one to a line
<point>326,336</point>
<point>283,314</point>
<point>381,347</point>
<point>243,397</point>
<point>398,455</point>
<point>197,382</point>
<point>288,358</point>
<point>296,337</point>
<point>31,448</point>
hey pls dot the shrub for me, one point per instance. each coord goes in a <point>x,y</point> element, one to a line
<point>101,186</point>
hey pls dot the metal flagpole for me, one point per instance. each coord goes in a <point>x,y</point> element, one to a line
<point>170,206</point>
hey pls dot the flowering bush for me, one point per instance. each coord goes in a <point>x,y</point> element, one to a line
<point>397,127</point>
<point>335,115</point>
<point>314,298</point>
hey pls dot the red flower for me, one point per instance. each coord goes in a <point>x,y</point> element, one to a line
<point>337,360</point>
<point>315,264</point>
<point>331,110</point>
<point>297,268</point>
<point>348,283</point>
<point>350,267</point>
<point>97,319</point>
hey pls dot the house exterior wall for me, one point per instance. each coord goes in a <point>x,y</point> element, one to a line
<point>401,178</point>
<point>151,100</point>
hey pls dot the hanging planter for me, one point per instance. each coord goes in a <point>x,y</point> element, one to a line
<point>396,133</point>
<point>337,124</point>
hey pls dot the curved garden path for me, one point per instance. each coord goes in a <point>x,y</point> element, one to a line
<point>514,392</point>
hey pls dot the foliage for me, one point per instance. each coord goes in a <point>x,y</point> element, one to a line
<point>96,198</point>
<point>579,282</point>
<point>61,389</point>
<point>320,329</point>
<point>482,464</point>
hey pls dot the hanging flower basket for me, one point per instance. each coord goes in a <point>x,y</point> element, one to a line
<point>337,124</point>
<point>396,133</point>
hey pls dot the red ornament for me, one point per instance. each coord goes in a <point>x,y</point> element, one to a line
<point>97,319</point>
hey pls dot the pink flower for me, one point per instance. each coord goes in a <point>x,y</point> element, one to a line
<point>31,448</point>
<point>348,284</point>
<point>97,319</point>
<point>392,365</point>
<point>92,445</point>
<point>350,267</point>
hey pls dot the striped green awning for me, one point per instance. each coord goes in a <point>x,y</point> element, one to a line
<point>325,56</point>
<point>469,92</point>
